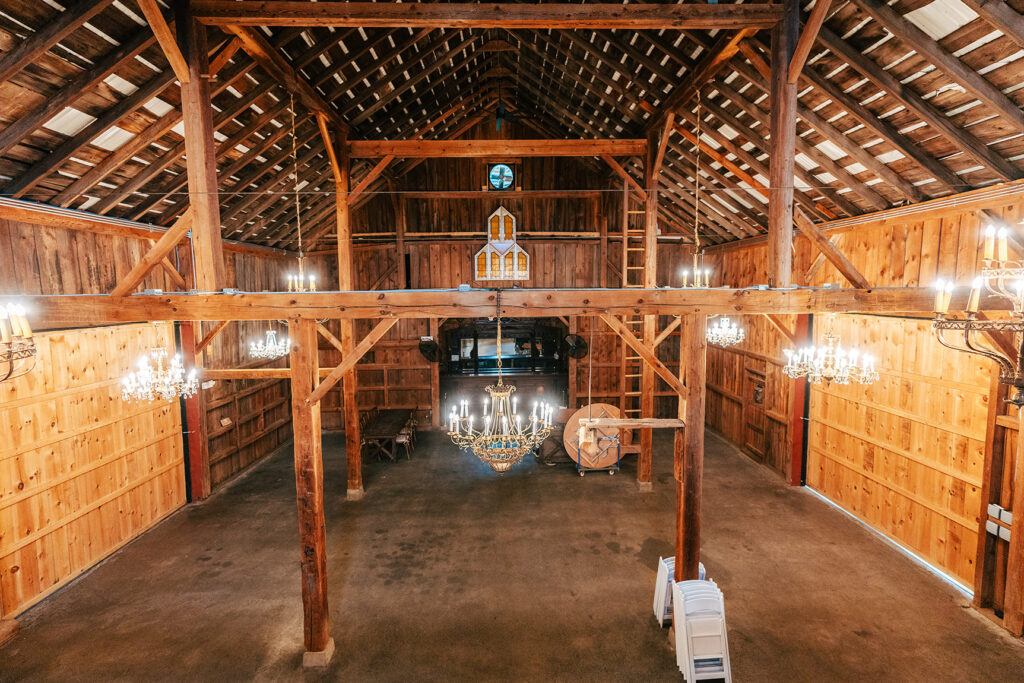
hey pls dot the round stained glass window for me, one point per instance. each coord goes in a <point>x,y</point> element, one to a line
<point>500,176</point>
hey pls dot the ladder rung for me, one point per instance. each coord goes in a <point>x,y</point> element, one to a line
<point>634,213</point>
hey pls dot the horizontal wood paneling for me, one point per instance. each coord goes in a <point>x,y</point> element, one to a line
<point>81,471</point>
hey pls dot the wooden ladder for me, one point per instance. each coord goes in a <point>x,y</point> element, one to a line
<point>633,270</point>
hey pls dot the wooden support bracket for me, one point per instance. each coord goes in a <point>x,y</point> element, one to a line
<point>165,37</point>
<point>211,335</point>
<point>645,352</point>
<point>807,38</point>
<point>350,362</point>
<point>155,255</point>
<point>779,325</point>
<point>667,331</point>
<point>828,248</point>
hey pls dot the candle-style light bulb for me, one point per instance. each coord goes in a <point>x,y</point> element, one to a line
<point>707,277</point>
<point>940,287</point>
<point>975,299</point>
<point>1003,251</point>
<point>312,283</point>
<point>947,296</point>
<point>686,277</point>
<point>990,242</point>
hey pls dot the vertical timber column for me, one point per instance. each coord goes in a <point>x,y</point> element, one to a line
<point>797,410</point>
<point>782,146</point>
<point>647,383</point>
<point>195,418</point>
<point>200,152</point>
<point>601,216</point>
<point>435,378</point>
<point>400,227</point>
<point>353,444</point>
<point>1013,600</point>
<point>309,490</point>
<point>689,447</point>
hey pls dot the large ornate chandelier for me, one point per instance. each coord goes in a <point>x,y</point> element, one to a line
<point>830,363</point>
<point>502,437</point>
<point>725,333</point>
<point>999,277</point>
<point>167,383</point>
<point>17,343</point>
<point>269,348</point>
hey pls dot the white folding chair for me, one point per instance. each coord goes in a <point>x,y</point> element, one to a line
<point>663,590</point>
<point>707,648</point>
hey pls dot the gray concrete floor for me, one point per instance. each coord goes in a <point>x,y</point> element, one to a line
<point>446,571</point>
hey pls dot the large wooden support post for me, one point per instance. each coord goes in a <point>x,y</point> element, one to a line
<point>195,418</point>
<point>435,378</point>
<point>782,148</point>
<point>200,152</point>
<point>797,410</point>
<point>353,443</point>
<point>309,491</point>
<point>1013,601</point>
<point>689,447</point>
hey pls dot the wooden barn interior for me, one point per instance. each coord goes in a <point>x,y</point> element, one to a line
<point>266,269</point>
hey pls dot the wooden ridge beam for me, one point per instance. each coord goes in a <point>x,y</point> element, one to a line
<point>154,256</point>
<point>646,353</point>
<point>350,359</point>
<point>487,15</point>
<point>166,38</point>
<point>429,149</point>
<point>89,310</point>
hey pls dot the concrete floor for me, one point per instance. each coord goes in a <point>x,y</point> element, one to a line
<point>447,572</point>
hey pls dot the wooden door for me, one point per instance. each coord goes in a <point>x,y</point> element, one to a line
<point>753,414</point>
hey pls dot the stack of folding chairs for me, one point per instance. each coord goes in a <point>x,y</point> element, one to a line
<point>702,644</point>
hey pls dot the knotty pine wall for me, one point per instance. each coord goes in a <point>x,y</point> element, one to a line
<point>81,471</point>
<point>246,419</point>
<point>907,455</point>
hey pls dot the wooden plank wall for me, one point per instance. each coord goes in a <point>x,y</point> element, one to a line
<point>81,471</point>
<point>905,455</point>
<point>38,259</point>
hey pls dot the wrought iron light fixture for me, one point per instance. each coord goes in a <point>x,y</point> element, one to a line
<point>167,381</point>
<point>17,343</point>
<point>725,333</point>
<point>269,348</point>
<point>501,438</point>
<point>1000,277</point>
<point>830,363</point>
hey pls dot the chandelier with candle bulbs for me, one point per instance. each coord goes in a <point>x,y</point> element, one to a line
<point>269,348</point>
<point>167,381</point>
<point>725,332</point>
<point>1000,277</point>
<point>830,363</point>
<point>502,437</point>
<point>300,282</point>
<point>17,343</point>
<point>700,276</point>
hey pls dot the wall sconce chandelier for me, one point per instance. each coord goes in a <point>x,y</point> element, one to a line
<point>167,381</point>
<point>830,363</point>
<point>999,277</point>
<point>502,438</point>
<point>725,333</point>
<point>17,343</point>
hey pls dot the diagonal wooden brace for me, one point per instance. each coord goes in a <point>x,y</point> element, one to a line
<point>350,362</point>
<point>155,255</point>
<point>645,352</point>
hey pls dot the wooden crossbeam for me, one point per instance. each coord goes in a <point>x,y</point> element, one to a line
<point>555,15</point>
<point>281,71</point>
<point>350,361</point>
<point>633,423</point>
<point>807,38</point>
<point>645,352</point>
<point>165,37</point>
<point>99,309</point>
<point>829,249</point>
<point>427,149</point>
<point>154,256</point>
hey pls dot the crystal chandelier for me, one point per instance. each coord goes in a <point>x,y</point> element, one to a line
<point>725,333</point>
<point>17,343</point>
<point>167,383</point>
<point>269,348</point>
<point>831,363</point>
<point>501,439</point>
<point>1000,277</point>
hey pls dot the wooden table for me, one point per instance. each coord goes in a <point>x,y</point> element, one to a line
<point>382,430</point>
